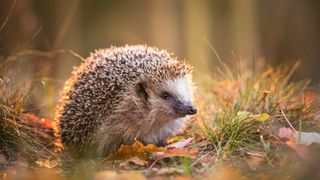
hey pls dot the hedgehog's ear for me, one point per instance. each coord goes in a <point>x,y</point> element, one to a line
<point>141,91</point>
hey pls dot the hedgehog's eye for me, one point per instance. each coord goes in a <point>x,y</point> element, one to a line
<point>165,96</point>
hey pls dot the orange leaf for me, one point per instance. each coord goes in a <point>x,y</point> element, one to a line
<point>180,152</point>
<point>47,123</point>
<point>288,133</point>
<point>137,149</point>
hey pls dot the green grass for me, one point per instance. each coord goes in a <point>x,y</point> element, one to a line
<point>229,105</point>
<point>21,139</point>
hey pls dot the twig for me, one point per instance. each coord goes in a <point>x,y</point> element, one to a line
<point>285,117</point>
<point>151,166</point>
<point>76,55</point>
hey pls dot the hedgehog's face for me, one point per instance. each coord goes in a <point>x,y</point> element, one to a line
<point>170,99</point>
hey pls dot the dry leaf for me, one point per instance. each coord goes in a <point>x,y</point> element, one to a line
<point>126,152</point>
<point>181,152</point>
<point>285,133</point>
<point>176,139</point>
<point>153,148</point>
<point>262,117</point>
<point>135,160</point>
<point>307,138</point>
<point>180,144</point>
<point>138,153</point>
<point>288,133</point>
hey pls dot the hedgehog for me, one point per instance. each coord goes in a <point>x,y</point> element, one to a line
<point>123,94</point>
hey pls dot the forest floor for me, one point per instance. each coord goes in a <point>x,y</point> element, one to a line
<point>259,124</point>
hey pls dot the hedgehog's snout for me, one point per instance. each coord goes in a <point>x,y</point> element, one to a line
<point>192,110</point>
<point>184,109</point>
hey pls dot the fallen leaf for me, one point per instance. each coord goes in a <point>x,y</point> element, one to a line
<point>126,152</point>
<point>153,148</point>
<point>285,132</point>
<point>262,117</point>
<point>289,134</point>
<point>135,160</point>
<point>180,144</point>
<point>138,153</point>
<point>176,139</point>
<point>307,138</point>
<point>177,152</point>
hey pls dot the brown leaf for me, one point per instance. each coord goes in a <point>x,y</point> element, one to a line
<point>126,152</point>
<point>153,148</point>
<point>135,160</point>
<point>180,152</point>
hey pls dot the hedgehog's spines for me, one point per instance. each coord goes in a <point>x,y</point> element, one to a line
<point>100,103</point>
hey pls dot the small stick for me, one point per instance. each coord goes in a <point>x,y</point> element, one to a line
<point>151,166</point>
<point>285,117</point>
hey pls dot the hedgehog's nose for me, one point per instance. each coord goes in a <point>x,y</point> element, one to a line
<point>192,110</point>
<point>183,109</point>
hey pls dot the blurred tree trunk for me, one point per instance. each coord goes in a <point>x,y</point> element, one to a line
<point>166,27</point>
<point>197,28</point>
<point>244,28</point>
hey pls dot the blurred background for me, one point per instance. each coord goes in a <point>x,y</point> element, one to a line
<point>39,33</point>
